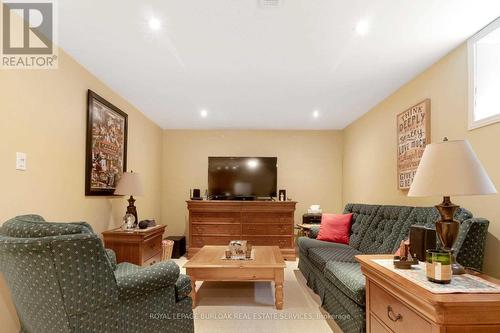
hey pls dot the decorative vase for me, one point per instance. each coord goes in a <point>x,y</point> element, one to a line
<point>129,221</point>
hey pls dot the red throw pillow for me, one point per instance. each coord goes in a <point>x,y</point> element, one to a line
<point>335,228</point>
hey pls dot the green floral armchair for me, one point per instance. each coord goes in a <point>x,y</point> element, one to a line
<point>63,280</point>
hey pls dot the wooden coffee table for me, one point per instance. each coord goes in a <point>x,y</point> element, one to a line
<point>268,265</point>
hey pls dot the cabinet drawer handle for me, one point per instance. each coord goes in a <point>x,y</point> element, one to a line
<point>392,315</point>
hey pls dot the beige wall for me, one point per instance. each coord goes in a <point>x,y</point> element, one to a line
<point>309,166</point>
<point>43,113</point>
<point>370,145</point>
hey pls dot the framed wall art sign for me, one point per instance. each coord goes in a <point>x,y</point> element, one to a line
<point>414,133</point>
<point>106,146</point>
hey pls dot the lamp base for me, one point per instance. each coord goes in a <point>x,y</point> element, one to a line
<point>447,228</point>
<point>447,231</point>
<point>131,209</point>
<point>457,269</point>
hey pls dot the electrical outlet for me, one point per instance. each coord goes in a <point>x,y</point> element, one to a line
<point>21,161</point>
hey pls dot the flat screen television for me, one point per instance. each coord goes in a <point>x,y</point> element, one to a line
<point>242,177</point>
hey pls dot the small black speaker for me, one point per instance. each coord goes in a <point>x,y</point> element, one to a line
<point>421,240</point>
<point>196,195</point>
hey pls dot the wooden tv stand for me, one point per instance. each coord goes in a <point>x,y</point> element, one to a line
<point>217,222</point>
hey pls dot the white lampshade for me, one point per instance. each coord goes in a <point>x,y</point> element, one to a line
<point>129,184</point>
<point>450,168</point>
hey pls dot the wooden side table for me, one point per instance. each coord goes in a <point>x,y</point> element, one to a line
<point>395,304</point>
<point>138,246</point>
<point>304,229</point>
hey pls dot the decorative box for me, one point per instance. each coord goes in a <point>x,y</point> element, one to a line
<point>238,248</point>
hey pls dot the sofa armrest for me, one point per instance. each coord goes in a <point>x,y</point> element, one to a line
<point>111,257</point>
<point>182,287</point>
<point>148,279</point>
<point>471,241</point>
<point>313,231</point>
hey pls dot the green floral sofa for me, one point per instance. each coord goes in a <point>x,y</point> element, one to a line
<point>63,280</point>
<point>333,273</point>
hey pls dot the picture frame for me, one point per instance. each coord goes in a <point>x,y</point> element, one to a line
<point>413,134</point>
<point>106,146</point>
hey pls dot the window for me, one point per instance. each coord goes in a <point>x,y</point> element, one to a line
<point>484,76</point>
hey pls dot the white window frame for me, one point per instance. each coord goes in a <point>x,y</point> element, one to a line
<point>471,48</point>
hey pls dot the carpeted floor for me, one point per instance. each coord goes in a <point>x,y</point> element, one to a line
<point>248,307</point>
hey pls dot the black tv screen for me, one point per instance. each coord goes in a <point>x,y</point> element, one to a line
<point>233,177</point>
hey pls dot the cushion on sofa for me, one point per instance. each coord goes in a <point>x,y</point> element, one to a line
<point>335,228</point>
<point>384,230</point>
<point>362,215</point>
<point>347,276</point>
<point>306,243</point>
<point>321,255</point>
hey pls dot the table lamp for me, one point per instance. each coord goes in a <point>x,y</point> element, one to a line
<point>130,184</point>
<point>450,168</point>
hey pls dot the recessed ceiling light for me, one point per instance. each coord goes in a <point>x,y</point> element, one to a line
<point>154,24</point>
<point>362,27</point>
<point>203,113</point>
<point>316,114</point>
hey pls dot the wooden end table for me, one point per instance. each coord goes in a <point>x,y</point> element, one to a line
<point>268,265</point>
<point>304,229</point>
<point>395,304</point>
<point>137,246</point>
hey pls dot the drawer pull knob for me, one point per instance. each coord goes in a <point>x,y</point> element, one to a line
<point>392,315</point>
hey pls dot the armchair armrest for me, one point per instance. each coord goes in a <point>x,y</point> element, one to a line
<point>111,257</point>
<point>148,279</point>
<point>182,287</point>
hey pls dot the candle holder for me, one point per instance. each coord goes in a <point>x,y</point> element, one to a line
<point>438,266</point>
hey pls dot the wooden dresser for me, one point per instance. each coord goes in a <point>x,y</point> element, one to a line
<point>395,304</point>
<point>258,222</point>
<point>140,247</point>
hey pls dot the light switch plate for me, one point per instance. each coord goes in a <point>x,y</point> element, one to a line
<point>21,161</point>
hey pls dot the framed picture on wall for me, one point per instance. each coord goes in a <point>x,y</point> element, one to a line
<point>106,146</point>
<point>414,133</point>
